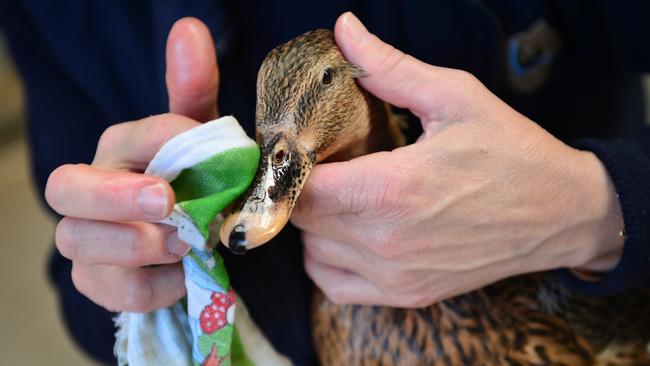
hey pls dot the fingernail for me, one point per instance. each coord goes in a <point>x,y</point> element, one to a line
<point>152,200</point>
<point>176,246</point>
<point>354,28</point>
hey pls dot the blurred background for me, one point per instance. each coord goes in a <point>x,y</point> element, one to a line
<point>31,331</point>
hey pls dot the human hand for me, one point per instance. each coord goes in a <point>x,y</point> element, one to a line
<point>484,194</point>
<point>104,204</point>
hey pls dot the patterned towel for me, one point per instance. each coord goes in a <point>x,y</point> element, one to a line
<point>208,167</point>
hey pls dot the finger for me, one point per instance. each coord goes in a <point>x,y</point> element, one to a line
<point>131,244</point>
<point>347,201</point>
<point>132,145</point>
<point>192,74</point>
<point>344,200</point>
<point>386,275</point>
<point>359,185</point>
<point>130,289</point>
<point>87,192</point>
<point>355,232</point>
<point>340,286</point>
<point>337,254</point>
<point>393,75</point>
<point>345,287</point>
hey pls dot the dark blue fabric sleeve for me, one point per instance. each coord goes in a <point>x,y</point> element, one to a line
<point>628,165</point>
<point>627,161</point>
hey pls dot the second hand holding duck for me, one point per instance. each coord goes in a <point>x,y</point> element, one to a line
<point>484,194</point>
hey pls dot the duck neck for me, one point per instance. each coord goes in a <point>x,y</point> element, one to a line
<point>385,132</point>
<point>376,128</point>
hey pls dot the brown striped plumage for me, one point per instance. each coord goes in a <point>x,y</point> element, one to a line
<point>527,320</point>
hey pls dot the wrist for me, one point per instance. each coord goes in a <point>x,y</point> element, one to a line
<point>602,244</point>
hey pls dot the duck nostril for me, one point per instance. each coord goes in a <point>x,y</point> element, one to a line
<point>237,240</point>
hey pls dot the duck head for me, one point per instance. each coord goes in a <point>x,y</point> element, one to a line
<point>309,109</point>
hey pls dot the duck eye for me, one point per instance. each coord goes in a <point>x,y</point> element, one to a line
<point>327,76</point>
<point>279,156</point>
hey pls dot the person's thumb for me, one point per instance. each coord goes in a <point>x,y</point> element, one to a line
<point>394,76</point>
<point>192,74</point>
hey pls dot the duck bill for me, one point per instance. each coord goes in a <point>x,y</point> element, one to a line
<point>265,208</point>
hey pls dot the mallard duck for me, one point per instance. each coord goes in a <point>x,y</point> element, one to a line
<point>310,109</point>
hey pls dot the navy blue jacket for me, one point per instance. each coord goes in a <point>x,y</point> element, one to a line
<point>88,64</point>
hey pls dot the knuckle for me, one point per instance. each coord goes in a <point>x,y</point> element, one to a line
<point>416,300</point>
<point>332,292</point>
<point>135,239</point>
<point>109,137</point>
<point>358,198</point>
<point>385,190</point>
<point>392,189</point>
<point>311,249</point>
<point>384,246</point>
<point>80,279</point>
<point>301,213</point>
<point>393,280</point>
<point>465,77</point>
<point>116,198</point>
<point>387,198</point>
<point>109,141</point>
<point>304,208</point>
<point>164,127</point>
<point>391,60</point>
<point>111,193</point>
<point>56,186</point>
<point>138,293</point>
<point>64,238</point>
<point>463,88</point>
<point>393,241</point>
<point>398,280</point>
<point>336,296</point>
<point>77,279</point>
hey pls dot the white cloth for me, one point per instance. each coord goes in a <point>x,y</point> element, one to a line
<point>171,336</point>
<point>188,149</point>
